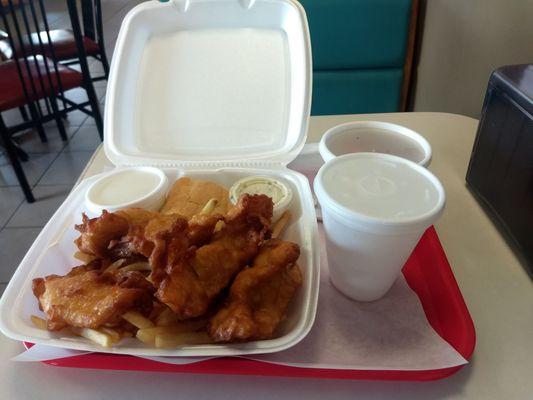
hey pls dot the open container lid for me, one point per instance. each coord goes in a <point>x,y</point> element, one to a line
<point>209,82</point>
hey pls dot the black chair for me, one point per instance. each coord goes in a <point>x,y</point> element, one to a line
<point>64,40</point>
<point>37,81</point>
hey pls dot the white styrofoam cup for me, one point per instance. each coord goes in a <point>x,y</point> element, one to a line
<point>375,208</point>
<point>375,137</point>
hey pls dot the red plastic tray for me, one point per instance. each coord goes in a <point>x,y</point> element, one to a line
<point>427,272</point>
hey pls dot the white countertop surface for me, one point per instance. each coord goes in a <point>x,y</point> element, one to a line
<point>496,288</point>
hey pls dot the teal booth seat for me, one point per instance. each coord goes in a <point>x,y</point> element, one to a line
<point>359,52</point>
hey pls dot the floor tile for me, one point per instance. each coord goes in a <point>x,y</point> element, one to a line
<point>10,199</point>
<point>34,168</point>
<point>96,69</point>
<point>100,84</point>
<point>12,117</point>
<point>85,139</point>
<point>14,243</point>
<point>47,201</point>
<point>76,118</point>
<point>100,91</point>
<point>77,95</point>
<point>66,168</point>
<point>30,141</point>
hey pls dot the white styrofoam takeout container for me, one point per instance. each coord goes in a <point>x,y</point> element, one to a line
<point>212,89</point>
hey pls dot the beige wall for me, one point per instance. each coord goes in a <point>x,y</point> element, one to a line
<point>463,41</point>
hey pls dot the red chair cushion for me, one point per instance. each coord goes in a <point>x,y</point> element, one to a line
<point>11,90</point>
<point>63,41</point>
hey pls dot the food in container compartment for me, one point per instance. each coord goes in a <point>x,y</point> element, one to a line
<point>278,191</point>
<point>188,196</point>
<point>190,284</point>
<point>259,295</point>
<point>89,297</point>
<point>162,277</point>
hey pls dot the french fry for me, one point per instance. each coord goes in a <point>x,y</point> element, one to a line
<point>39,322</point>
<point>148,335</point>
<point>219,225</point>
<point>171,340</point>
<point>115,336</point>
<point>84,257</point>
<point>138,266</point>
<point>116,265</point>
<point>167,318</point>
<point>209,207</point>
<point>280,224</point>
<point>95,336</point>
<point>138,320</point>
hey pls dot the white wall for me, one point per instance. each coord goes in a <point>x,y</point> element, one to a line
<point>463,41</point>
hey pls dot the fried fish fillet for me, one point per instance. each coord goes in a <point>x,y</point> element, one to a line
<point>97,234</point>
<point>259,295</point>
<point>136,232</point>
<point>188,196</point>
<point>190,285</point>
<point>89,298</point>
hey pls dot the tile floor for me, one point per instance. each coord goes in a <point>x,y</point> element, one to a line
<point>53,167</point>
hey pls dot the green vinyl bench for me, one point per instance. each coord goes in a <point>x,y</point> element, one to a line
<point>362,54</point>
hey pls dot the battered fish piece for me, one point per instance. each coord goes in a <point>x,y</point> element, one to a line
<point>188,196</point>
<point>259,296</point>
<point>88,298</point>
<point>190,285</point>
<point>135,232</point>
<point>99,234</point>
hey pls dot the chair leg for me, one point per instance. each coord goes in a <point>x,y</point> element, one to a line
<point>59,120</point>
<point>37,122</point>
<point>24,113</point>
<point>21,154</point>
<point>5,140</point>
<point>95,107</point>
<point>105,63</point>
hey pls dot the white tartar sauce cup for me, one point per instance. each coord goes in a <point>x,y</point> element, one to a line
<point>143,187</point>
<point>278,191</point>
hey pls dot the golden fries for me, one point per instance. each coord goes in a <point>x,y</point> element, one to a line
<point>280,224</point>
<point>209,207</point>
<point>148,335</point>
<point>138,320</point>
<point>115,336</point>
<point>138,266</point>
<point>38,322</point>
<point>103,339</point>
<point>170,340</point>
<point>116,265</point>
<point>84,257</point>
<point>167,318</point>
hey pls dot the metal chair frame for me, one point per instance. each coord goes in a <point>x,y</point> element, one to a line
<point>23,15</point>
<point>91,13</point>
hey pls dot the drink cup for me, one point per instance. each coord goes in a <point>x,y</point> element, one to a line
<point>375,137</point>
<point>375,208</point>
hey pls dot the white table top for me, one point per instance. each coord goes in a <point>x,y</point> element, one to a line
<point>496,288</point>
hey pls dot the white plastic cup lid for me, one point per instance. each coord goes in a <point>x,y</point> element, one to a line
<point>381,193</point>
